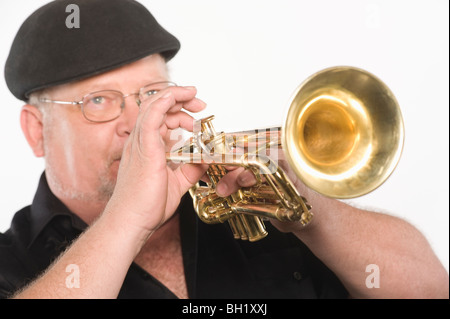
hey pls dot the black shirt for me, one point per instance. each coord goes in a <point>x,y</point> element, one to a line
<point>216,265</point>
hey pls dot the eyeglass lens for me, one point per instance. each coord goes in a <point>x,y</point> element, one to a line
<point>107,105</point>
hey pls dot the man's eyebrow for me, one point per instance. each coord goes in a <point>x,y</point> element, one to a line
<point>98,86</point>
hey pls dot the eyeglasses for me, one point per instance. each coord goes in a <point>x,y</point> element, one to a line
<point>107,105</point>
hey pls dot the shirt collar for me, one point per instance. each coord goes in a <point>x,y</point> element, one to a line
<point>45,207</point>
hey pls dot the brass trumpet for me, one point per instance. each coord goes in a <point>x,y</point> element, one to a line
<point>343,137</point>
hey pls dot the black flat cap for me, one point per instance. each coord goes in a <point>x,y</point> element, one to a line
<point>51,49</point>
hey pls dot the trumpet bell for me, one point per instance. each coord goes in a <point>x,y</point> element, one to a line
<point>344,132</point>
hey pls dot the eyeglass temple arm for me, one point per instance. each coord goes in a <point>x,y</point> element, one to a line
<point>60,102</point>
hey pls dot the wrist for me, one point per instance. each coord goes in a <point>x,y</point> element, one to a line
<point>131,234</point>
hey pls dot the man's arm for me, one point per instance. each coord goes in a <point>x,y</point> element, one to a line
<point>374,255</point>
<point>358,245</point>
<point>146,194</point>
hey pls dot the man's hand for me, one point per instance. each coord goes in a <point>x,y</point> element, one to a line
<point>147,190</point>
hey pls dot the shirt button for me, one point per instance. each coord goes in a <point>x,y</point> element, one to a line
<point>297,275</point>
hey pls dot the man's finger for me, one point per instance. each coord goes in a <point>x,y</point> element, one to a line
<point>229,183</point>
<point>180,120</point>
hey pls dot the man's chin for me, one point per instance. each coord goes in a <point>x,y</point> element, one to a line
<point>108,181</point>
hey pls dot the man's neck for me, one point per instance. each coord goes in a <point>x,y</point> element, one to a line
<point>167,234</point>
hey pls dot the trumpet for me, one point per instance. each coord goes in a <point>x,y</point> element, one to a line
<point>343,137</point>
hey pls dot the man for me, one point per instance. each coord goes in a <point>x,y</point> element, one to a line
<point>111,218</point>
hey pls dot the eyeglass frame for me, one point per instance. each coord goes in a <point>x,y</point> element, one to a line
<point>122,105</point>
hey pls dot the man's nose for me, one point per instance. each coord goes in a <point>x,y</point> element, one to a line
<point>129,113</point>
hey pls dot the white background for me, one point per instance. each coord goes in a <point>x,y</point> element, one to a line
<point>247,57</point>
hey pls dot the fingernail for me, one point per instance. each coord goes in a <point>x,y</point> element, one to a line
<point>242,179</point>
<point>246,179</point>
<point>221,189</point>
<point>190,87</point>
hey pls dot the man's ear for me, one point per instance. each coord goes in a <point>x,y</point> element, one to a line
<point>32,128</point>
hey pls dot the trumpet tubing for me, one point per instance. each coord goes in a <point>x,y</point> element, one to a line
<point>343,137</point>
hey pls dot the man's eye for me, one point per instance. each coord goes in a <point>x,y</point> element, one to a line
<point>98,100</point>
<point>150,92</point>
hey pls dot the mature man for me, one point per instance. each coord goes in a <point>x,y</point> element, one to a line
<point>108,209</point>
